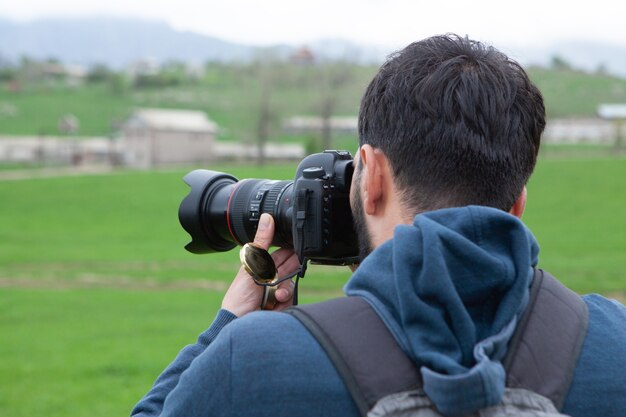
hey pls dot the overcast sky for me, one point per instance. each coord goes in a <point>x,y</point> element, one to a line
<point>379,22</point>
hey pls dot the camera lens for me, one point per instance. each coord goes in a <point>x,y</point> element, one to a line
<point>219,212</point>
<point>251,198</point>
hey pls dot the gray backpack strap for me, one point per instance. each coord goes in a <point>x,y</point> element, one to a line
<point>542,354</point>
<point>358,343</point>
<point>544,349</point>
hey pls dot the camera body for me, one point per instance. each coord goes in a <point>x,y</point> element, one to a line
<point>322,220</point>
<point>312,213</point>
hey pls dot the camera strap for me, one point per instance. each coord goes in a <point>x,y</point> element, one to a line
<point>302,203</point>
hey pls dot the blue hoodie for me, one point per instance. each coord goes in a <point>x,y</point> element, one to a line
<point>451,294</point>
<point>449,287</point>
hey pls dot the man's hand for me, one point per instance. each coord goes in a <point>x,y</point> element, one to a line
<point>244,295</point>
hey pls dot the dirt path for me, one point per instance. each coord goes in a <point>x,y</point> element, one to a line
<point>25,174</point>
<point>134,285</point>
<point>125,284</point>
<point>150,285</point>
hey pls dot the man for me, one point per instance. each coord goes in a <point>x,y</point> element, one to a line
<point>449,131</point>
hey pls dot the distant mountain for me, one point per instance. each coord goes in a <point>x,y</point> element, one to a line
<point>114,41</point>
<point>119,41</point>
<point>581,54</point>
<point>333,48</point>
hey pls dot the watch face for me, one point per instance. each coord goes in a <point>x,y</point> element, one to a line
<point>258,263</point>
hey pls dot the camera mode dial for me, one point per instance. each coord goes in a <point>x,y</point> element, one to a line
<point>313,173</point>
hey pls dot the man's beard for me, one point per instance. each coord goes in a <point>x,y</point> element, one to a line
<point>358,219</point>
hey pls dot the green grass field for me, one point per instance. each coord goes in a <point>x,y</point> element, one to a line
<point>124,227</point>
<point>577,211</point>
<point>97,294</point>
<point>116,228</point>
<point>92,352</point>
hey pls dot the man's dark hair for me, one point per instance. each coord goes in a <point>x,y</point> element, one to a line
<point>459,122</point>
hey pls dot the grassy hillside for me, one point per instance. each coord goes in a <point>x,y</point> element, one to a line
<point>570,93</point>
<point>231,95</point>
<point>37,110</point>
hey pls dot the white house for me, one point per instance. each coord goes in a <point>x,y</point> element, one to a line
<point>158,137</point>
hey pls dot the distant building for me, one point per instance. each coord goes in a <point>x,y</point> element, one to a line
<point>143,67</point>
<point>616,113</point>
<point>158,137</point>
<point>577,130</point>
<point>311,124</point>
<point>72,75</point>
<point>302,56</point>
<point>60,150</point>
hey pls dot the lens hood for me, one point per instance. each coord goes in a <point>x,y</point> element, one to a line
<point>193,210</point>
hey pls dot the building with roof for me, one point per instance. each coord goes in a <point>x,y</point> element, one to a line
<point>160,137</point>
<point>616,113</point>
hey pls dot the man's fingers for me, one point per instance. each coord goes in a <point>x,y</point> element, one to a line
<point>281,255</point>
<point>285,260</point>
<point>265,231</point>
<point>289,266</point>
<point>284,292</point>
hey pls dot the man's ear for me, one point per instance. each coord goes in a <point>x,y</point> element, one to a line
<point>372,165</point>
<point>520,204</point>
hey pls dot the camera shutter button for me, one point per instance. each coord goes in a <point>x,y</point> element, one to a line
<point>313,173</point>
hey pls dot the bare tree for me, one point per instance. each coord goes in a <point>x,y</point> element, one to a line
<point>269,76</point>
<point>618,145</point>
<point>334,76</point>
<point>265,116</point>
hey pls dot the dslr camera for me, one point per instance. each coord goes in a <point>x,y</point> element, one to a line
<point>311,212</point>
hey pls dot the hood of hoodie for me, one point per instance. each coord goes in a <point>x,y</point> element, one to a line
<point>450,288</point>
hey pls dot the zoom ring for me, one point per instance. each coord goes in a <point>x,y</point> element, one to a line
<point>270,202</point>
<point>238,211</point>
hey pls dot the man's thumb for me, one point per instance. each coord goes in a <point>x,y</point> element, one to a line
<point>265,231</point>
